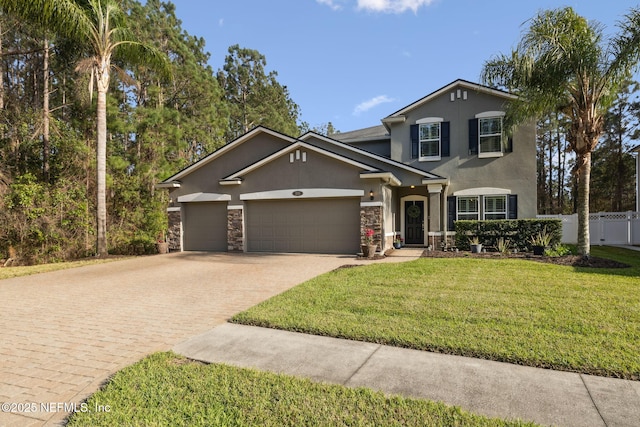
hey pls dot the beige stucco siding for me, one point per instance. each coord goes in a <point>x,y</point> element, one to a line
<point>515,171</point>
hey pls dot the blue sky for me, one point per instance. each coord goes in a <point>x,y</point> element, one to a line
<point>353,62</point>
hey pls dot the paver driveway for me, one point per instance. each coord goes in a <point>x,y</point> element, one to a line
<point>62,334</point>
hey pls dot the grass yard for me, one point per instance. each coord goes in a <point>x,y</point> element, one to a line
<point>517,311</point>
<point>9,272</point>
<point>166,389</point>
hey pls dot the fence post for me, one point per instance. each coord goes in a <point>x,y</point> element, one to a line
<point>629,224</point>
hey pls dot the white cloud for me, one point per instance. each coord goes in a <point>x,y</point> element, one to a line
<point>220,22</point>
<point>373,102</point>
<point>391,6</point>
<point>333,4</point>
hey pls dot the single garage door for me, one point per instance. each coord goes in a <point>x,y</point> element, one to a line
<point>309,225</point>
<point>205,226</point>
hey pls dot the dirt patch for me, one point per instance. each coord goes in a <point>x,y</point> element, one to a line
<point>568,260</point>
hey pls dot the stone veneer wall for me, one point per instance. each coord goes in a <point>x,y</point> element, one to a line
<point>371,217</point>
<point>174,231</point>
<point>235,236</point>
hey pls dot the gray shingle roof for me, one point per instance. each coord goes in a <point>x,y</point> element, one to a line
<point>366,134</point>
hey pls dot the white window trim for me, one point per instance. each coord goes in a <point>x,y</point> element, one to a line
<point>425,121</point>
<point>467,213</point>
<point>484,206</point>
<point>490,115</point>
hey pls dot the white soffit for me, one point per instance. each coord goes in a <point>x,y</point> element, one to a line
<point>302,193</point>
<point>489,114</point>
<point>204,197</point>
<point>171,184</point>
<point>482,191</point>
<point>386,176</point>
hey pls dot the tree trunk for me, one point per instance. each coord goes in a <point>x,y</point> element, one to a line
<point>550,189</point>
<point>101,169</point>
<point>584,177</point>
<point>45,115</point>
<point>1,76</point>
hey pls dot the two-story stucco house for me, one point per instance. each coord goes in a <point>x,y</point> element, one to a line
<point>442,158</point>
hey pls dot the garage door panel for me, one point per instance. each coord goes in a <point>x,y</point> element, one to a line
<point>205,226</point>
<point>312,225</point>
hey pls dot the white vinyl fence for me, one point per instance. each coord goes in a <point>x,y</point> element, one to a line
<point>605,228</point>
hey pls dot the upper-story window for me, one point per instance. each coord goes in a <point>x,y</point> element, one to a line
<point>430,139</point>
<point>490,136</point>
<point>486,135</point>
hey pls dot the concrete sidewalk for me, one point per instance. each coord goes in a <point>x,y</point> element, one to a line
<point>480,386</point>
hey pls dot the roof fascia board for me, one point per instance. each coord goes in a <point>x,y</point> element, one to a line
<point>371,155</point>
<point>286,150</point>
<point>228,147</point>
<point>465,84</point>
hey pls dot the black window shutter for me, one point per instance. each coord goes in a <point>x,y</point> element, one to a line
<point>509,148</point>
<point>414,141</point>
<point>473,136</point>
<point>451,212</point>
<point>513,206</point>
<point>444,139</point>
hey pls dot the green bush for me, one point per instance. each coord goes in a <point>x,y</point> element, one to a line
<point>517,231</point>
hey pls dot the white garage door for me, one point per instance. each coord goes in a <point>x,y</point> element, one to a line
<point>309,225</point>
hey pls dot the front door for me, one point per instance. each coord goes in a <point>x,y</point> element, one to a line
<point>414,222</point>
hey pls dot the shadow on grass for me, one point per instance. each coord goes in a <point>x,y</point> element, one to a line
<point>619,254</point>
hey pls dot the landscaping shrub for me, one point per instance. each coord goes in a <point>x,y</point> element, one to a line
<point>517,231</point>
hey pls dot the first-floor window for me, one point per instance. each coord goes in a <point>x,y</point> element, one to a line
<point>495,207</point>
<point>468,208</point>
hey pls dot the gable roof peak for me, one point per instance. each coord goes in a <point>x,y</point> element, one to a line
<point>451,86</point>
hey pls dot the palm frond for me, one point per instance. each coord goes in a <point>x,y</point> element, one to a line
<point>625,48</point>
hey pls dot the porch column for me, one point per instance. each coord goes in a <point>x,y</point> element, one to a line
<point>435,222</point>
<point>371,218</point>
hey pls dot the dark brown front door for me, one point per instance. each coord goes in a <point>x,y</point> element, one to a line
<point>414,222</point>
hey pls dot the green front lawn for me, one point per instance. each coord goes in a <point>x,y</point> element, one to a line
<point>167,390</point>
<point>518,311</point>
<point>9,272</point>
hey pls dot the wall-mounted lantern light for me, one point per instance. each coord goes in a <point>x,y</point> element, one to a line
<point>370,194</point>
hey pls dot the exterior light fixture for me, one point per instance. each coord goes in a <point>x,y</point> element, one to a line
<point>370,194</point>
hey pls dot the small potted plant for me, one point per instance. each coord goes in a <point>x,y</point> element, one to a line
<point>397,241</point>
<point>369,248</point>
<point>476,246</point>
<point>162,245</point>
<point>540,242</point>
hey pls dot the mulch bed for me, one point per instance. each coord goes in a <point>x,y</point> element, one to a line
<point>569,260</point>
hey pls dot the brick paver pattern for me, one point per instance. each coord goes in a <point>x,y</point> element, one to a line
<point>62,334</point>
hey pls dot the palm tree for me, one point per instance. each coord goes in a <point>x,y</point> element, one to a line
<point>564,64</point>
<point>101,26</point>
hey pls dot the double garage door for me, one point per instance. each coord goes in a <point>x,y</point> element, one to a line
<point>307,225</point>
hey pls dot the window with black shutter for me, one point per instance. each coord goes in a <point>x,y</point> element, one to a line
<point>513,206</point>
<point>473,136</point>
<point>415,141</point>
